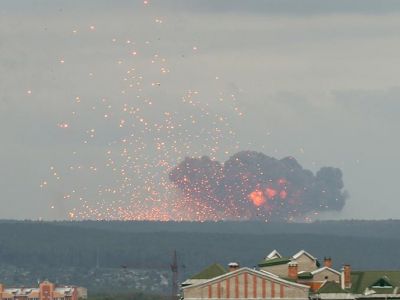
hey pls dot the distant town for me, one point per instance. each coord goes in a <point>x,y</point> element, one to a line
<point>300,276</point>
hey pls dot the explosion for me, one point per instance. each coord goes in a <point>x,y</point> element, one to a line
<point>126,136</point>
<point>252,185</point>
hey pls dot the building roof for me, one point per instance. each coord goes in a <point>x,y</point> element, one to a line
<point>323,269</point>
<point>330,287</point>
<point>381,282</point>
<point>268,275</point>
<point>274,261</point>
<point>20,291</point>
<point>67,291</point>
<point>273,254</point>
<point>300,253</point>
<point>210,272</point>
<point>305,275</point>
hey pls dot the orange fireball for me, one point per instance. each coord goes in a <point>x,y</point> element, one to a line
<point>257,197</point>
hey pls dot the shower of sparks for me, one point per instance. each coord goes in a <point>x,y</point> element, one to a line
<point>141,139</point>
<point>143,151</point>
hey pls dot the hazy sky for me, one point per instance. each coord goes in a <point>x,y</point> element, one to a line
<point>318,80</point>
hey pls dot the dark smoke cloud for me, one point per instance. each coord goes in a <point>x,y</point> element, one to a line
<point>252,185</point>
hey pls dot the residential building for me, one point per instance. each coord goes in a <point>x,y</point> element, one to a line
<point>45,291</point>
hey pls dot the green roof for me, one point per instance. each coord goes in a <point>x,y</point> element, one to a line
<point>373,280</point>
<point>273,262</point>
<point>305,275</point>
<point>210,272</point>
<point>331,287</point>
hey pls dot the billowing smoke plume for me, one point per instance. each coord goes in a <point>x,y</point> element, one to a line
<point>252,185</point>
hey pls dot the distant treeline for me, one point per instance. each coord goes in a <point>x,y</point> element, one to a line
<point>359,228</point>
<point>149,245</point>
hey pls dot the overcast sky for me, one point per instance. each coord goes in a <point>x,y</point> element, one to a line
<point>317,80</point>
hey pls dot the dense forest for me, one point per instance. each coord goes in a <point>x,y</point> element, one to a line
<point>368,228</point>
<point>42,248</point>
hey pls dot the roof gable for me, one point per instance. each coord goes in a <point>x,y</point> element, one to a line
<point>382,282</point>
<point>273,254</point>
<point>303,252</point>
<point>262,274</point>
<point>325,269</point>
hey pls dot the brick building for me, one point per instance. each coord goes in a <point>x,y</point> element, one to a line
<point>246,283</point>
<point>45,291</point>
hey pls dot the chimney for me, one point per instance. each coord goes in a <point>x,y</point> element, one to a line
<point>293,270</point>
<point>233,266</point>
<point>328,262</point>
<point>346,277</point>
